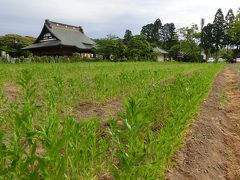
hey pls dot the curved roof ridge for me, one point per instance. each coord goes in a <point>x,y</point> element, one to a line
<point>63,34</point>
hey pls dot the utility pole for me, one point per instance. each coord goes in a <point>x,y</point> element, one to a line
<point>202,52</point>
<point>202,23</point>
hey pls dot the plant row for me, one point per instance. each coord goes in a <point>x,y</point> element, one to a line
<point>38,141</point>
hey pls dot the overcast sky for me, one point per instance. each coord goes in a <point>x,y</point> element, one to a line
<point>101,17</point>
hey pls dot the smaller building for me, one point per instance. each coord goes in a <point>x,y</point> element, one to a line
<point>162,55</point>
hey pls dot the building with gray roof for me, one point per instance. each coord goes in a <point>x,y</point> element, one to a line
<point>57,39</point>
<point>162,55</point>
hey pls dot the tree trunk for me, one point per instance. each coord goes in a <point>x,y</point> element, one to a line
<point>207,56</point>
<point>216,60</point>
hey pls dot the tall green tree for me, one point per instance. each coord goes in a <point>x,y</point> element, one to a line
<point>157,26</point>
<point>168,35</point>
<point>147,31</point>
<point>207,40</point>
<point>219,27</point>
<point>230,18</point>
<point>152,31</point>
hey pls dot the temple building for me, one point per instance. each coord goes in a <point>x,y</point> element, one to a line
<point>57,39</point>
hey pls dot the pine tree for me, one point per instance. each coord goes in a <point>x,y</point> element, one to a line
<point>219,27</point>
<point>207,40</point>
<point>230,18</point>
<point>156,30</point>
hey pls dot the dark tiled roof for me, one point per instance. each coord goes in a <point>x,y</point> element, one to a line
<point>67,35</point>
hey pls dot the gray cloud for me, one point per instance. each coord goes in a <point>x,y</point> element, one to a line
<point>100,18</point>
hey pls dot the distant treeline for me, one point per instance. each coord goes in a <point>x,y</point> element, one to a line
<point>218,39</point>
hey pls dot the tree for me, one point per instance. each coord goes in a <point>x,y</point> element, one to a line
<point>219,31</point>
<point>152,31</point>
<point>234,33</point>
<point>127,36</point>
<point>238,15</point>
<point>174,52</point>
<point>230,18</point>
<point>120,51</point>
<point>157,26</point>
<point>190,51</point>
<point>13,44</point>
<point>168,35</point>
<point>207,39</point>
<point>147,31</point>
<point>190,33</point>
<point>139,48</point>
<point>111,48</point>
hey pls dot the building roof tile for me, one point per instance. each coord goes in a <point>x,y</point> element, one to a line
<point>66,35</point>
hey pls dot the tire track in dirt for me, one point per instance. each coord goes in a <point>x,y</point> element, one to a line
<point>212,146</point>
<point>232,80</point>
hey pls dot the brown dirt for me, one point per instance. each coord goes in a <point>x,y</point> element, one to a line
<point>10,91</point>
<point>212,146</point>
<point>101,111</point>
<point>82,111</point>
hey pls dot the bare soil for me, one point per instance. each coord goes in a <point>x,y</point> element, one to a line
<point>82,111</point>
<point>212,146</point>
<point>10,90</point>
<point>101,111</point>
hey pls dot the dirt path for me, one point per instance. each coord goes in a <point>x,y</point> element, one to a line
<point>212,147</point>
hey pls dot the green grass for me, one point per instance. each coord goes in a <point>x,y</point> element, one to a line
<point>39,140</point>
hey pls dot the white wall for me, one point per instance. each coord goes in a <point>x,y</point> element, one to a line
<point>160,57</point>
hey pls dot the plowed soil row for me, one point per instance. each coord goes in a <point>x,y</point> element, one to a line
<point>212,146</point>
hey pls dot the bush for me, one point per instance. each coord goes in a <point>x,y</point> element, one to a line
<point>228,56</point>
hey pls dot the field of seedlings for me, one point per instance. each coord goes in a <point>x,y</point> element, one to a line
<point>97,120</point>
